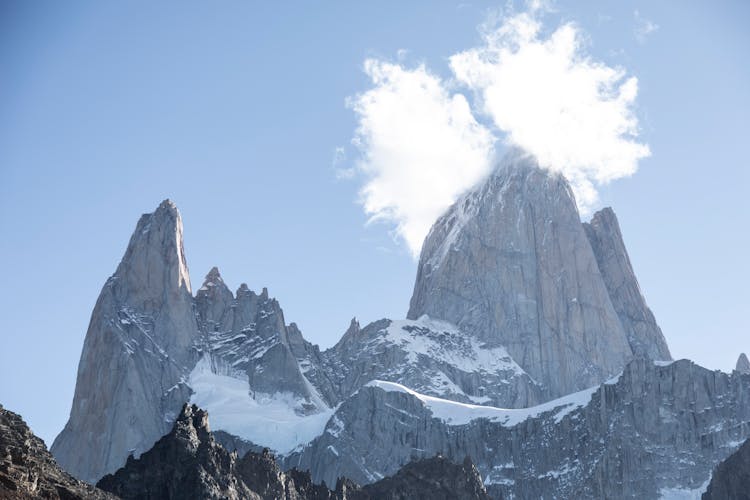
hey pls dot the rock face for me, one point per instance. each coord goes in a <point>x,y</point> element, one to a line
<point>432,357</point>
<point>511,263</point>
<point>188,464</point>
<point>644,335</point>
<point>148,334</point>
<point>137,353</point>
<point>27,469</point>
<point>743,365</point>
<point>246,336</point>
<point>431,479</point>
<point>656,427</point>
<point>731,479</point>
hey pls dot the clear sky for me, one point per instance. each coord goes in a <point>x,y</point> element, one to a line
<point>235,111</point>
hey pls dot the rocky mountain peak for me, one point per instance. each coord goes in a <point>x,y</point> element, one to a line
<point>743,365</point>
<point>644,335</point>
<point>138,352</point>
<point>213,276</point>
<point>510,263</point>
<point>191,425</point>
<point>155,253</point>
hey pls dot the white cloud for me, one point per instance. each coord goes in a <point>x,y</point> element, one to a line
<point>342,172</point>
<point>643,27</point>
<point>548,97</point>
<point>421,148</point>
<point>421,145</point>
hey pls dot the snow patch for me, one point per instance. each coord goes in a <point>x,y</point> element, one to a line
<point>454,413</point>
<point>663,363</point>
<point>444,342</point>
<point>684,493</point>
<point>269,421</point>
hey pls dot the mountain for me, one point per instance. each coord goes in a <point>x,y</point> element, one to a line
<point>151,346</point>
<point>136,355</point>
<point>511,263</point>
<point>743,365</point>
<point>731,479</point>
<point>657,427</point>
<point>644,335</point>
<point>528,347</point>
<point>27,469</point>
<point>189,464</point>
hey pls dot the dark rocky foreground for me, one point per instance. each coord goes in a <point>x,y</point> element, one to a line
<point>731,479</point>
<point>188,463</point>
<point>27,469</point>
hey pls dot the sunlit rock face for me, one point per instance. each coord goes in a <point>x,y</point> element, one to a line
<point>149,339</point>
<point>137,353</point>
<point>644,335</point>
<point>512,263</point>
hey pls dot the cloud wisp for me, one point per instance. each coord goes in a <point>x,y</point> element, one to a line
<point>643,27</point>
<point>422,145</point>
<point>421,148</point>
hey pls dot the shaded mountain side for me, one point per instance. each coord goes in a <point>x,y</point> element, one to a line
<point>28,471</point>
<point>731,478</point>
<point>189,464</point>
<point>434,478</point>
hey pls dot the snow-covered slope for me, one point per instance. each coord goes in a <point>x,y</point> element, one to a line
<point>455,413</point>
<point>431,357</point>
<point>269,420</point>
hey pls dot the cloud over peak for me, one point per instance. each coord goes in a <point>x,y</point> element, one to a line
<point>422,146</point>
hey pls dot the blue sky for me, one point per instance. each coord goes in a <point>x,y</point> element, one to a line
<point>235,110</point>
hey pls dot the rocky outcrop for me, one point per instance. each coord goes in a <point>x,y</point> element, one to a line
<point>186,463</point>
<point>434,478</point>
<point>644,335</point>
<point>511,264</point>
<point>137,353</point>
<point>731,479</point>
<point>656,427</point>
<point>743,365</point>
<point>28,471</point>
